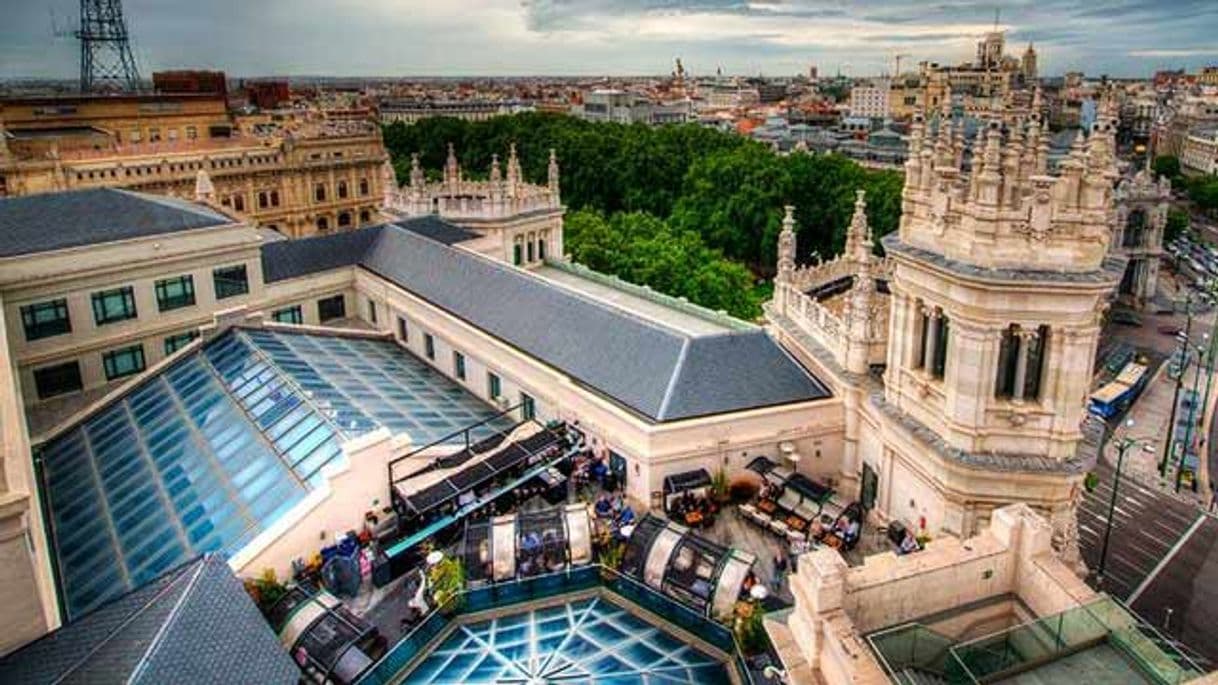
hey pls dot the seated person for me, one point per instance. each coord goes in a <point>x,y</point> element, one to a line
<point>909,543</point>
<point>852,532</point>
<point>626,517</point>
<point>603,507</point>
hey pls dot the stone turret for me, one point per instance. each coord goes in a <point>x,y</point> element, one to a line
<point>1013,215</point>
<point>389,182</point>
<point>552,177</point>
<point>514,177</point>
<point>860,310</point>
<point>4,152</point>
<point>452,169</point>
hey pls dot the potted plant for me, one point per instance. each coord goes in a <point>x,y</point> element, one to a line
<point>265,590</point>
<point>750,632</point>
<point>447,581</point>
<point>611,558</point>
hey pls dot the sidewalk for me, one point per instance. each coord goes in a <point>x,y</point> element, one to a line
<point>1150,414</point>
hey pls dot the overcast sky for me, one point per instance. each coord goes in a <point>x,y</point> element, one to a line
<point>513,37</point>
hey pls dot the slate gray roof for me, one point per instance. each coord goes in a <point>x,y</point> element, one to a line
<point>55,221</point>
<point>195,624</point>
<point>662,374</point>
<point>285,259</point>
<point>438,230</point>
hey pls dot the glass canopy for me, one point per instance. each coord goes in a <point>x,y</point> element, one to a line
<point>206,454</point>
<point>590,641</point>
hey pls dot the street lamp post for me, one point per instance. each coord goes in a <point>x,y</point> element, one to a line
<point>1123,444</point>
<point>1175,402</point>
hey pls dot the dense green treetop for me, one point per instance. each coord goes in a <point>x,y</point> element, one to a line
<point>679,208</point>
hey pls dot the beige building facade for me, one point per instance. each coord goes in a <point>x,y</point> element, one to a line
<point>304,178</point>
<point>984,316</point>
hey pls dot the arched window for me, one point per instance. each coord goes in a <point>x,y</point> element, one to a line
<point>342,190</point>
<point>274,198</point>
<point>319,192</point>
<point>263,200</point>
<point>323,224</point>
<point>1135,228</point>
<point>344,219</point>
<point>239,203</point>
<point>364,216</point>
<point>363,186</point>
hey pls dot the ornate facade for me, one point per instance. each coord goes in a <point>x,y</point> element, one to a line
<point>1142,204</point>
<point>312,177</point>
<point>984,316</point>
<point>518,222</point>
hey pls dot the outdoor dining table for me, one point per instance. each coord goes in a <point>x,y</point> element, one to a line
<point>767,506</point>
<point>693,518</point>
<point>796,523</point>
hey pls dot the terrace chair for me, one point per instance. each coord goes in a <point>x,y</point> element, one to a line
<point>779,527</point>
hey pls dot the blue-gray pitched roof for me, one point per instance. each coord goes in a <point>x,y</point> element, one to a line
<point>194,624</point>
<point>662,374</point>
<point>55,221</point>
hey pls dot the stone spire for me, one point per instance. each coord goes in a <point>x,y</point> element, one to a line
<point>389,185</point>
<point>860,310</point>
<point>4,153</point>
<point>513,171</point>
<point>417,180</point>
<point>496,179</point>
<point>858,236</point>
<point>452,170</point>
<point>205,191</point>
<point>552,176</point>
<point>786,246</point>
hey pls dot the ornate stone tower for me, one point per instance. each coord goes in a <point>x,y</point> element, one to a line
<point>1137,235</point>
<point>1000,277</point>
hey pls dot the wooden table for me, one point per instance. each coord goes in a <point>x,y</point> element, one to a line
<point>832,541</point>
<point>693,518</point>
<point>796,523</point>
<point>767,506</point>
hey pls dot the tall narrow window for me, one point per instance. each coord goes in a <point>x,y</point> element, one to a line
<point>541,249</point>
<point>1008,351</point>
<point>516,254</point>
<point>494,387</point>
<point>363,186</point>
<point>342,190</point>
<point>45,319</point>
<point>429,346</point>
<point>942,339</point>
<point>319,192</point>
<point>530,251</point>
<point>403,331</point>
<point>1037,353</point>
<point>528,407</point>
<point>921,329</point>
<point>459,365</point>
<point>372,311</point>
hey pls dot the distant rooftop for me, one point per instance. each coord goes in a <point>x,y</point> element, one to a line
<point>189,625</point>
<point>91,217</point>
<point>657,370</point>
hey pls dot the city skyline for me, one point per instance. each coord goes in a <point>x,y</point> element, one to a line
<point>593,37</point>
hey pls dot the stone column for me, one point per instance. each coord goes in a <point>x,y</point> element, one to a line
<point>1025,338</point>
<point>932,338</point>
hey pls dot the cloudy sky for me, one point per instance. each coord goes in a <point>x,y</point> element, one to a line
<point>509,37</point>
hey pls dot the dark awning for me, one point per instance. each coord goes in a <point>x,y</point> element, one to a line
<point>689,480</point>
<point>809,488</point>
<point>761,465</point>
